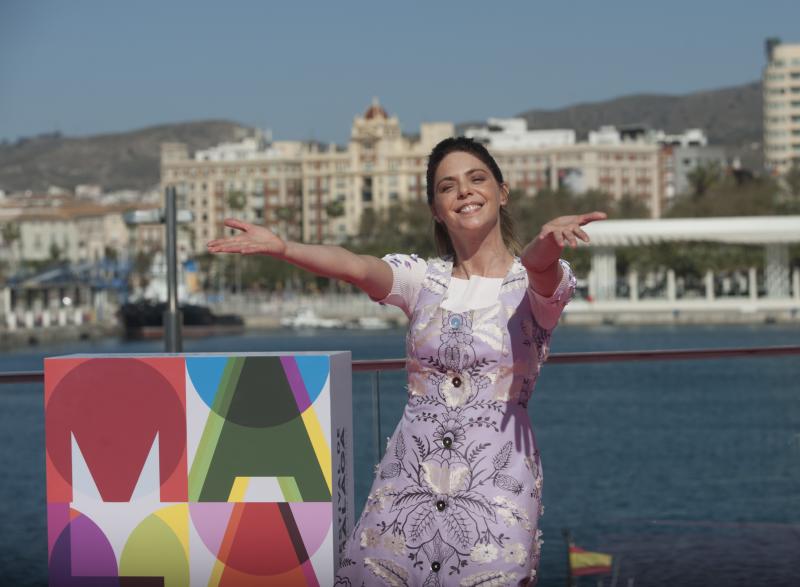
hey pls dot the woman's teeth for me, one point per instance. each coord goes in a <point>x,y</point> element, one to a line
<point>469,208</point>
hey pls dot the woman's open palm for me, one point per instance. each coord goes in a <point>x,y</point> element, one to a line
<point>251,240</point>
<point>567,229</point>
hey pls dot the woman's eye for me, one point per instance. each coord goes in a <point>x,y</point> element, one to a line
<point>478,178</point>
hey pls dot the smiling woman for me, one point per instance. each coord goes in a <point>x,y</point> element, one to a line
<point>457,497</point>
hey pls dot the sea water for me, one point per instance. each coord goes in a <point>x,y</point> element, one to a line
<point>687,472</point>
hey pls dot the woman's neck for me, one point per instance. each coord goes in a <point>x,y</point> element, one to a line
<point>487,258</point>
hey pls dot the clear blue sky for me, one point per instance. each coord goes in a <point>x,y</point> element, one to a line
<point>305,69</point>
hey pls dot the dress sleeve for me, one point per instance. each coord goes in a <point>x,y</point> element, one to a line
<point>548,310</point>
<point>409,272</point>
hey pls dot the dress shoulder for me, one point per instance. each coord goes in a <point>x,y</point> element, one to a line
<point>408,273</point>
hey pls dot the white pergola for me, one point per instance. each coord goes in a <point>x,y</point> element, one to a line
<point>775,233</point>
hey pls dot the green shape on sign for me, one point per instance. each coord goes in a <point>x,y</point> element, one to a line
<point>263,435</point>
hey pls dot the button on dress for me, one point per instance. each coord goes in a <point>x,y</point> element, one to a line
<point>457,496</point>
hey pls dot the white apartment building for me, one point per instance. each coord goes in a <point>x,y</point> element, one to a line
<point>512,133</point>
<point>252,180</point>
<point>618,162</point>
<point>76,231</point>
<point>781,86</point>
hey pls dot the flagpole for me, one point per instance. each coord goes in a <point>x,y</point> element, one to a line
<point>615,571</point>
<point>568,540</point>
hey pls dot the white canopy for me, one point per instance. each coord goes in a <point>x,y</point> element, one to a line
<point>735,229</point>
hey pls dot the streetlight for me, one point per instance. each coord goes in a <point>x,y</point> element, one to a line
<point>173,342</point>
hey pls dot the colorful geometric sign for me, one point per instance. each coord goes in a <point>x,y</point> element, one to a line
<point>212,470</point>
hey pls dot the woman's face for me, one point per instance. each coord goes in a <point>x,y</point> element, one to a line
<point>467,196</point>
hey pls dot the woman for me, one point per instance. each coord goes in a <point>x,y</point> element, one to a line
<point>457,497</point>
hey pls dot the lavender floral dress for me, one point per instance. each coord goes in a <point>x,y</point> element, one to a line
<point>457,497</point>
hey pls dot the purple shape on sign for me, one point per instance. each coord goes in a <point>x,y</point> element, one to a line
<point>57,520</point>
<point>313,520</point>
<point>310,575</point>
<point>210,519</point>
<point>296,383</point>
<point>82,555</point>
<point>92,555</point>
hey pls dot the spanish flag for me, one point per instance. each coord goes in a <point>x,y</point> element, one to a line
<point>583,562</point>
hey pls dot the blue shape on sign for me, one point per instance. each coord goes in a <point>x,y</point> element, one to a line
<point>206,373</point>
<point>314,371</point>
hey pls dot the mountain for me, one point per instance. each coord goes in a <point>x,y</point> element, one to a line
<point>732,118</point>
<point>115,161</point>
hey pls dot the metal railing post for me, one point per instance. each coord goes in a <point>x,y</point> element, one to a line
<point>376,412</point>
<point>173,342</point>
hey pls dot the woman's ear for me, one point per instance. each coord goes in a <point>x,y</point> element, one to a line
<point>504,192</point>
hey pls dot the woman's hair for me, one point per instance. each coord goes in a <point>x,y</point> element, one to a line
<point>444,244</point>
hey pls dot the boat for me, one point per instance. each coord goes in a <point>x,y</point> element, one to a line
<point>145,320</point>
<point>371,323</point>
<point>307,318</point>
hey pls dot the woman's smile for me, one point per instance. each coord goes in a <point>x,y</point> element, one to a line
<point>469,209</point>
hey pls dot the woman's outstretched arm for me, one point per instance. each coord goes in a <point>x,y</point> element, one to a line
<point>540,256</point>
<point>370,274</point>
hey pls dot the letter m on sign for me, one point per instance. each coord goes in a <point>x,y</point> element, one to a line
<point>115,409</point>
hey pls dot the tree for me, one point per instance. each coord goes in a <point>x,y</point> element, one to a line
<point>790,201</point>
<point>285,213</point>
<point>110,253</point>
<point>236,200</point>
<point>702,177</point>
<point>334,209</point>
<point>629,206</point>
<point>55,252</point>
<point>10,233</point>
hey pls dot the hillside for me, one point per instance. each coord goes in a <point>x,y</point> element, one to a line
<point>732,117</point>
<point>114,161</point>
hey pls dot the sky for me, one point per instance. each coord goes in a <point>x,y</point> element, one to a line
<point>305,69</point>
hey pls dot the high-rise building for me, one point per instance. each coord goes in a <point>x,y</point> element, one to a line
<point>781,83</point>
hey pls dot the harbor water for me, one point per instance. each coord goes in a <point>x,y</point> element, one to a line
<point>687,472</point>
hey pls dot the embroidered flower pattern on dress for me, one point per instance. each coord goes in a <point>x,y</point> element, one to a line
<point>455,501</point>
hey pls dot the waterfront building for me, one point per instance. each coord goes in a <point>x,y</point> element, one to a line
<point>65,228</point>
<point>320,192</point>
<point>253,180</point>
<point>615,161</point>
<point>781,86</point>
<point>512,133</point>
<point>781,282</point>
<point>378,168</point>
<point>307,191</point>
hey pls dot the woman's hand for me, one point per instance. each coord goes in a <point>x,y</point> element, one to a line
<point>541,255</point>
<point>370,274</point>
<point>567,229</point>
<point>252,240</point>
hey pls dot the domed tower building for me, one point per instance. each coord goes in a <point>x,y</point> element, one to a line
<point>379,168</point>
